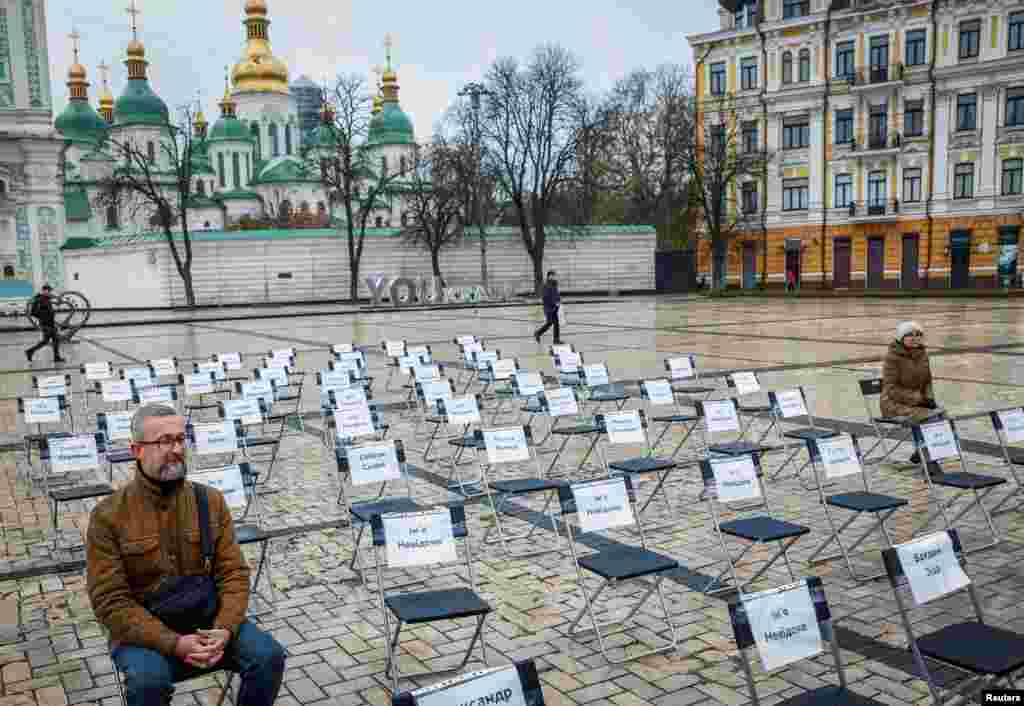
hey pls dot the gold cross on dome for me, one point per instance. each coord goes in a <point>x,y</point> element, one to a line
<point>104,70</point>
<point>133,12</point>
<point>378,71</point>
<point>389,42</point>
<point>74,37</point>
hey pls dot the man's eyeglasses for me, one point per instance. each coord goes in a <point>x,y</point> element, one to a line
<point>915,334</point>
<point>165,442</point>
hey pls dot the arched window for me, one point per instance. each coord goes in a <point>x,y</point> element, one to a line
<point>112,216</point>
<point>200,187</point>
<point>254,129</point>
<point>304,208</point>
<point>321,207</point>
<point>379,222</point>
<point>3,188</point>
<point>275,147</point>
<point>787,67</point>
<point>248,172</point>
<point>236,171</point>
<point>805,64</point>
<point>405,219</point>
<point>151,152</point>
<point>383,165</point>
<point>287,139</point>
<point>401,164</point>
<point>8,269</point>
<point>286,210</point>
<point>220,170</point>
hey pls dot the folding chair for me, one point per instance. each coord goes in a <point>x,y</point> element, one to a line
<point>872,390</point>
<point>658,393</point>
<point>738,480</point>
<point>355,363</point>
<point>1009,427</point>
<point>167,394</point>
<point>600,506</point>
<point>562,402</point>
<point>284,358</point>
<point>786,625</point>
<point>568,364</point>
<point>67,454</point>
<point>517,683</point>
<point>594,378</point>
<point>502,449</point>
<point>630,429</point>
<point>460,414</point>
<point>287,384</point>
<point>220,440</point>
<point>115,394</point>
<point>720,418</point>
<point>466,351</point>
<point>41,416</point>
<point>420,539</point>
<point>198,387</point>
<point>56,386</point>
<point>427,394</point>
<point>527,387</point>
<point>840,461</point>
<point>392,349</point>
<point>790,407</point>
<point>350,417</point>
<point>116,428</point>
<point>938,441</point>
<point>231,362</point>
<point>371,463</point>
<point>683,368</point>
<point>164,369</point>
<point>501,374</point>
<point>481,370</point>
<point>932,568</point>
<point>139,376</point>
<point>250,413</point>
<point>419,373</point>
<point>746,384</point>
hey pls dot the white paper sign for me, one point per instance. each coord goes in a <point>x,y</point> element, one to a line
<point>377,463</point>
<point>659,392</point>
<point>142,377</point>
<point>720,416</point>
<point>164,367</point>
<point>503,369</point>
<point>228,481</point>
<point>483,359</point>
<point>95,372</point>
<point>462,410</point>
<point>791,403</point>
<point>351,358</point>
<point>155,394</point>
<point>197,384</point>
<point>44,410</point>
<point>465,340</point>
<point>119,426</point>
<point>73,453</point>
<point>506,445</point>
<point>735,478</point>
<point>499,686</point>
<point>624,427</point>
<point>272,363</point>
<point>52,386</point>
<point>839,456</point>
<point>341,348</point>
<point>784,624</point>
<point>602,504</point>
<point>560,349</point>
<point>217,369</point>
<point>116,390</point>
<point>1013,424</point>
<point>335,379</point>
<point>426,373</point>
<point>931,567</point>
<point>434,390</point>
<point>469,349</point>
<point>561,402</point>
<point>745,383</point>
<point>529,384</point>
<point>939,440</point>
<point>215,437</point>
<point>231,361</point>
<point>418,351</point>
<point>394,349</point>
<point>681,368</point>
<point>350,395</point>
<point>279,376</point>
<point>595,374</point>
<point>284,355</point>
<point>419,538</point>
<point>258,390</point>
<point>568,362</point>
<point>406,363</point>
<point>245,410</point>
<point>353,419</point>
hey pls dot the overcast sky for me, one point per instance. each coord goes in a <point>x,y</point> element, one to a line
<point>438,46</point>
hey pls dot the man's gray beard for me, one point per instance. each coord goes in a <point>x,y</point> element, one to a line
<point>170,472</point>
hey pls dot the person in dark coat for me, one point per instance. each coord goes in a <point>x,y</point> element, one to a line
<point>907,379</point>
<point>552,303</point>
<point>42,311</point>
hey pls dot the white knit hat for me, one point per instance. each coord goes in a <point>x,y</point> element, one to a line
<point>906,328</point>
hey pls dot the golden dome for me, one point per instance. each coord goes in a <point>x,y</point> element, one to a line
<point>77,71</point>
<point>136,50</point>
<point>255,7</point>
<point>259,71</point>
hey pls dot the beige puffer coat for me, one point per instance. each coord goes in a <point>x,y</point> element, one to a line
<point>906,383</point>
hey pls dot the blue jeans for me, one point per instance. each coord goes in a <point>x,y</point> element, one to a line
<point>149,676</point>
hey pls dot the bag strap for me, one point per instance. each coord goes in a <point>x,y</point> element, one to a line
<point>206,543</point>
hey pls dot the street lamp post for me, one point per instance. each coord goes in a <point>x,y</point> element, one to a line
<point>474,91</point>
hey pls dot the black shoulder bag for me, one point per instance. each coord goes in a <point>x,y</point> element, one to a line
<point>188,603</point>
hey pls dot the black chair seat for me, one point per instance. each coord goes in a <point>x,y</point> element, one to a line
<point>466,442</point>
<point>627,563</point>
<point>978,648</point>
<point>119,455</point>
<point>250,534</point>
<point>191,407</point>
<point>81,492</point>
<point>762,529</point>
<point>693,389</point>
<point>966,481</point>
<point>434,420</point>
<point>363,511</point>
<point>287,398</point>
<point>427,606</point>
<point>755,408</point>
<point>829,696</point>
<point>676,418</point>
<point>809,433</point>
<point>861,501</point>
<point>608,397</point>
<point>261,441</point>
<point>518,486</point>
<point>642,464</point>
<point>576,429</point>
<point>532,408</point>
<point>897,421</point>
<point>736,448</point>
<point>1017,457</point>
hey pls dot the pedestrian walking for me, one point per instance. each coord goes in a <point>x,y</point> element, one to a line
<point>42,311</point>
<point>552,305</point>
<point>790,281</point>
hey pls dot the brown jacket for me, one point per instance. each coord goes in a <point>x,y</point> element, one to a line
<point>906,382</point>
<point>138,537</point>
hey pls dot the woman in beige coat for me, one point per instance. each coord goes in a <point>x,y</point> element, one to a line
<point>907,378</point>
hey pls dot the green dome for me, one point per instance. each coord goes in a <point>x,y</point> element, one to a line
<point>228,127</point>
<point>391,127</point>
<point>81,123</point>
<point>138,105</point>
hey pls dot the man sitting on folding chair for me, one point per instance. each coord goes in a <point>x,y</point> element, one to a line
<point>170,615</point>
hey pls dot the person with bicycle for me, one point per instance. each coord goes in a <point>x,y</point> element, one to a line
<point>42,311</point>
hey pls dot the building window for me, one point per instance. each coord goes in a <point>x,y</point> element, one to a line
<point>379,222</point>
<point>750,137</point>
<point>787,67</point>
<point>796,133</point>
<point>879,58</point>
<point>746,15</point>
<point>844,126</point>
<point>963,181</point>
<point>844,60</point>
<point>401,164</point>
<point>794,194</point>
<point>112,216</point>
<point>1015,107</point>
<point>967,111</point>
<point>913,118</point>
<point>405,219</point>
<point>716,140</point>
<point>718,79</point>
<point>748,73</point>
<point>1013,175</point>
<point>911,185</point>
<point>200,187</point>
<point>220,171</point>
<point>844,190</point>
<point>805,65</point>
<point>1015,39</point>
<point>321,208</point>
<point>917,42</point>
<point>383,165</point>
<point>275,147</point>
<point>750,197</point>
<point>151,152</point>
<point>876,190</point>
<point>970,39</point>
<point>287,139</point>
<point>236,171</point>
<point>878,126</point>
<point>248,170</point>
<point>795,8</point>
<point>254,129</point>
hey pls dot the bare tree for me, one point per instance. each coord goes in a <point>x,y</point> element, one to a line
<point>528,128</point>
<point>151,182</point>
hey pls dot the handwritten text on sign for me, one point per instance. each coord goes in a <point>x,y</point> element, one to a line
<point>215,438</point>
<point>462,410</point>
<point>931,567</point>
<point>45,410</point>
<point>156,394</point>
<point>98,371</point>
<point>506,445</point>
<point>529,384</point>
<point>720,416</point>
<point>624,428</point>
<point>490,687</point>
<point>595,374</point>
<point>419,538</point>
<point>231,361</point>
<point>659,392</point>
<point>602,505</point>
<point>790,403</point>
<point>746,383</point>
<point>784,625</point>
<point>116,390</point>
<point>248,411</point>
<point>1013,425</point>
<point>228,481</point>
<point>73,453</point>
<point>839,456</point>
<point>681,368</point>
<point>735,478</point>
<point>195,384</point>
<point>119,425</point>
<point>561,402</point>
<point>939,440</point>
<point>353,419</point>
<point>374,464</point>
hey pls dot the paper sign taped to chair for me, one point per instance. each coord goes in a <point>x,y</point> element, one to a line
<point>164,367</point>
<point>468,349</point>
<point>465,340</point>
<point>231,361</point>
<point>341,348</point>
<point>258,390</point>
<point>624,427</point>
<point>529,384</point>
<point>285,355</point>
<point>506,445</point>
<point>353,419</point>
<point>245,410</point>
<point>602,505</point>
<point>931,567</point>
<point>154,393</point>
<point>349,395</point>
<point>659,392</point>
<point>406,363</point>
<point>140,376</point>
<point>52,386</point>
<point>215,437</point>
<point>681,368</point>
<point>839,456</point>
<point>567,362</point>
<point>561,402</point>
<point>377,463</point>
<point>117,390</point>
<point>228,481</point>
<point>119,425</point>
<point>419,538</point>
<point>278,376</point>
<point>720,416</point>
<point>43,410</point>
<point>735,479</point>
<point>483,359</point>
<point>784,624</point>
<point>394,349</point>
<point>940,440</point>
<point>94,372</point>
<point>195,384</point>
<point>216,368</point>
<point>425,373</point>
<point>790,403</point>
<point>503,369</point>
<point>462,410</point>
<point>1013,425</point>
<point>595,374</point>
<point>560,349</point>
<point>335,379</point>
<point>73,453</point>
<point>490,687</point>
<point>434,390</point>
<point>357,358</point>
<point>745,383</point>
